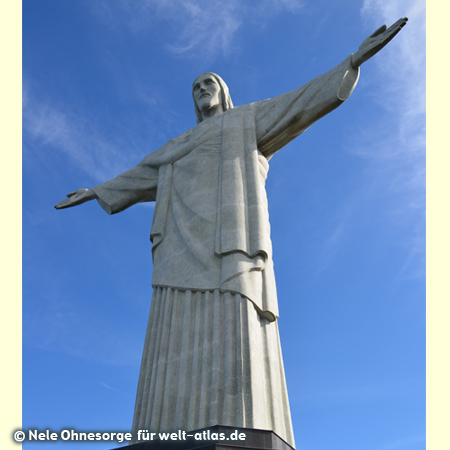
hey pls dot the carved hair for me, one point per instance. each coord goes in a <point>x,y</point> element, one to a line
<point>224,95</point>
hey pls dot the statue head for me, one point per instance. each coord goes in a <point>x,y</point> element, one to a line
<point>210,91</point>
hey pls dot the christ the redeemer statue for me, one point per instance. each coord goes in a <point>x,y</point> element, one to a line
<point>212,352</point>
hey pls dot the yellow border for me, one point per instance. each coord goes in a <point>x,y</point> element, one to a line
<point>11,223</point>
<point>438,227</point>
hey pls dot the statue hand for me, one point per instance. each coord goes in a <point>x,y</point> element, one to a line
<point>376,41</point>
<point>76,198</point>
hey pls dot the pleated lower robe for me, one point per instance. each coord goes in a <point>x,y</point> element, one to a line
<point>210,359</point>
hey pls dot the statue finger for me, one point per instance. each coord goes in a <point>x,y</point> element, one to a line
<point>393,31</point>
<point>77,192</point>
<point>397,25</point>
<point>378,31</point>
<point>62,204</point>
<point>401,22</point>
<point>388,38</point>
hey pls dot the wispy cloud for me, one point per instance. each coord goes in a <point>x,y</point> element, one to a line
<point>58,326</point>
<point>401,69</point>
<point>405,443</point>
<point>49,123</point>
<point>107,386</point>
<point>202,27</point>
<point>396,158</point>
<point>400,75</point>
<point>331,244</point>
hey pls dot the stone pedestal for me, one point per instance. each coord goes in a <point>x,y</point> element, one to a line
<point>254,440</point>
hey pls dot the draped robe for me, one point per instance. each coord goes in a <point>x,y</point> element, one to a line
<point>212,353</point>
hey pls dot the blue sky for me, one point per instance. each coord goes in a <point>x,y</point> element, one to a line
<point>105,83</point>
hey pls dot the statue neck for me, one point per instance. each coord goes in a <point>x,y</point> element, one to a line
<point>210,112</point>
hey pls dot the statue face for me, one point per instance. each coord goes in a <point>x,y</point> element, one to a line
<point>206,92</point>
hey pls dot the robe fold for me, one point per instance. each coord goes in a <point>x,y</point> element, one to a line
<point>211,238</point>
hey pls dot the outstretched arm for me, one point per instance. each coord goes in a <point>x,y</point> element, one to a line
<point>376,41</point>
<point>281,119</point>
<point>133,186</point>
<point>76,198</point>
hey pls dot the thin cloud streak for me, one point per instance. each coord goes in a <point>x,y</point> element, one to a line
<point>60,327</point>
<point>407,89</point>
<point>396,169</point>
<point>401,70</point>
<point>204,29</point>
<point>405,442</point>
<point>332,244</point>
<point>45,124</point>
<point>107,386</point>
